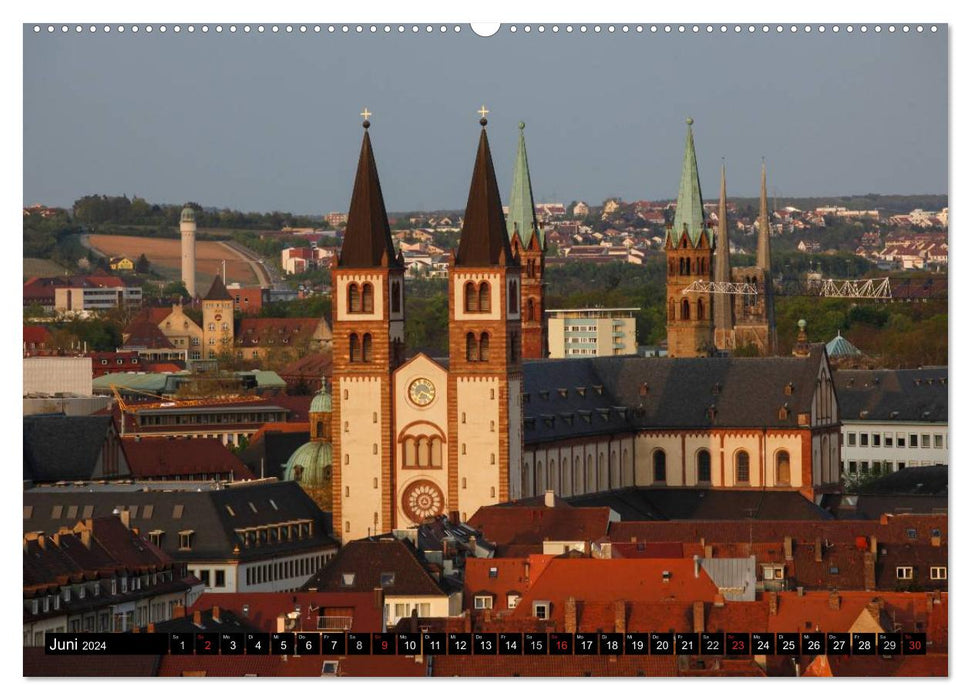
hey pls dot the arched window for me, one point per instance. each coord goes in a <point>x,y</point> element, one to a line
<point>355,348</point>
<point>395,297</point>
<point>704,466</point>
<point>671,308</point>
<point>529,309</point>
<point>484,348</point>
<point>530,267</point>
<point>366,352</point>
<point>367,298</point>
<point>471,348</point>
<point>685,310</point>
<point>671,267</point>
<point>660,466</point>
<point>485,300</point>
<point>320,428</point>
<point>701,310</point>
<point>782,476</point>
<point>411,452</point>
<point>353,298</point>
<point>741,467</point>
<point>471,298</point>
<point>424,452</point>
<point>513,297</point>
<point>514,347</point>
<point>435,458</point>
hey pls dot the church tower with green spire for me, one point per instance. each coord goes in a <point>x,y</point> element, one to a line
<point>528,242</point>
<point>688,247</point>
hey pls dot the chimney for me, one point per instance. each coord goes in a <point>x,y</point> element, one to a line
<point>884,518</point>
<point>197,618</point>
<point>698,615</point>
<point>86,537</point>
<point>570,615</point>
<point>874,607</point>
<point>708,551</point>
<point>773,603</point>
<point>935,540</point>
<point>819,549</point>
<point>178,611</point>
<point>869,571</point>
<point>215,613</point>
<point>281,623</point>
<point>549,499</point>
<point>834,600</point>
<point>620,617</point>
<point>697,560</point>
<point>526,571</point>
<point>787,547</point>
<point>379,599</point>
<point>873,546</point>
<point>125,516</point>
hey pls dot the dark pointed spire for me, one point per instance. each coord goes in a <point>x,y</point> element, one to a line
<point>484,242</point>
<point>522,210</point>
<point>367,236</point>
<point>722,302</point>
<point>217,292</point>
<point>764,258</point>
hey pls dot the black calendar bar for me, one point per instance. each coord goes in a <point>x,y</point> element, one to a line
<point>490,643</point>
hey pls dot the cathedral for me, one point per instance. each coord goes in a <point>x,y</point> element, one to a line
<point>496,421</point>
<point>715,319</point>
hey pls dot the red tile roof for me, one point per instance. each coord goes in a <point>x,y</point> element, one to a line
<point>526,525</point>
<point>263,608</point>
<point>153,458</point>
<point>259,332</point>
<point>38,664</point>
<point>290,666</point>
<point>502,576</point>
<point>554,666</point>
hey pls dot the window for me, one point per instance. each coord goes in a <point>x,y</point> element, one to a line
<point>541,610</point>
<point>471,348</point>
<point>782,467</point>
<point>773,573</point>
<point>387,579</point>
<point>185,539</point>
<point>901,440</point>
<point>704,466</point>
<point>512,600</point>
<point>330,668</point>
<point>220,578</point>
<point>513,298</point>
<point>347,579</point>
<point>367,298</point>
<point>366,350</point>
<point>660,466</point>
<point>911,533</point>
<point>353,298</point>
<point>483,602</point>
<point>493,572</point>
<point>876,439</point>
<point>355,348</point>
<point>685,310</point>
<point>155,536</point>
<point>905,573</point>
<point>485,299</point>
<point>865,440</point>
<point>925,440</point>
<point>938,441</point>
<point>913,439</point>
<point>741,467</point>
<point>938,573</point>
<point>395,297</point>
<point>484,348</point>
<point>203,576</point>
<point>851,439</point>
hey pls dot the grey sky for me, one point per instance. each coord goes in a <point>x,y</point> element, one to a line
<point>264,122</point>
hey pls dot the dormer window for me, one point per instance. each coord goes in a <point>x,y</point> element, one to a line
<point>347,579</point>
<point>541,609</point>
<point>387,579</point>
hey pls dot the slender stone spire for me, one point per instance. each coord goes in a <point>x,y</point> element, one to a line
<point>367,236</point>
<point>521,220</point>
<point>690,212</point>
<point>764,259</point>
<point>722,302</point>
<point>484,241</point>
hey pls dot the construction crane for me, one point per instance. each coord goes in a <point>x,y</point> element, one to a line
<point>168,402</point>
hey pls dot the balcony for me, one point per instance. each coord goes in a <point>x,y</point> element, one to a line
<point>334,623</point>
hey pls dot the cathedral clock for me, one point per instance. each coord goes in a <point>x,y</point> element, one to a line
<point>422,499</point>
<point>421,391</point>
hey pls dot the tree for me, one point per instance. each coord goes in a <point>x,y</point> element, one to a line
<point>142,265</point>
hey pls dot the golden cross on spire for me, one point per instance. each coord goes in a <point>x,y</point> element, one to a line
<point>483,111</point>
<point>366,114</point>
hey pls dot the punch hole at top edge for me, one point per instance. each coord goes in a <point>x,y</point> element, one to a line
<point>485,29</point>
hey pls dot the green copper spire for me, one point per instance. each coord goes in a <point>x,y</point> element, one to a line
<point>522,210</point>
<point>690,211</point>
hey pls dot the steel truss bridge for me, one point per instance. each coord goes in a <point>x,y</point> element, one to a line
<point>879,288</point>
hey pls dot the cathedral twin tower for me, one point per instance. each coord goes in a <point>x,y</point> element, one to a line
<point>420,438</point>
<point>417,439</point>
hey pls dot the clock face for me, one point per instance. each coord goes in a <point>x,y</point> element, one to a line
<point>421,392</point>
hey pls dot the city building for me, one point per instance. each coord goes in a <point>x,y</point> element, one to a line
<point>96,294</point>
<point>262,535</point>
<point>892,419</point>
<point>247,300</point>
<point>72,448</point>
<point>594,332</point>
<point>98,575</point>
